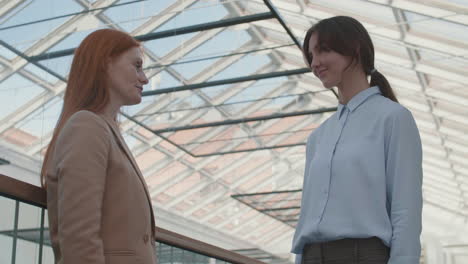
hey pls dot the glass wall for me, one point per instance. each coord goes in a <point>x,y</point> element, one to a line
<point>24,238</point>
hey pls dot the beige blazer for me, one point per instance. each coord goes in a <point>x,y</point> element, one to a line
<point>98,202</point>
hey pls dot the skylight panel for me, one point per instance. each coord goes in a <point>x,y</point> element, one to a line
<point>440,28</point>
<point>163,46</point>
<point>41,122</point>
<point>131,16</point>
<point>47,77</point>
<point>24,36</point>
<point>60,65</point>
<point>245,66</point>
<point>16,92</point>
<point>6,53</point>
<point>196,14</point>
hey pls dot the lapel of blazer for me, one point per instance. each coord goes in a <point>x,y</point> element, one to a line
<point>129,155</point>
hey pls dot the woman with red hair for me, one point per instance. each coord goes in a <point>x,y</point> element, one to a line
<point>98,203</point>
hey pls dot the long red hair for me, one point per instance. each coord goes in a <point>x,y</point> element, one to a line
<point>87,87</point>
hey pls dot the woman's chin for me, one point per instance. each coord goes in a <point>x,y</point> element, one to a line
<point>137,101</point>
<point>134,101</point>
<point>328,85</point>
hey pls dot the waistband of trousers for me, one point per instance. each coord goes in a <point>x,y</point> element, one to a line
<point>346,244</point>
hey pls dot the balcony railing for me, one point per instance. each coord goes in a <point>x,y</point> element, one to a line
<point>24,236</point>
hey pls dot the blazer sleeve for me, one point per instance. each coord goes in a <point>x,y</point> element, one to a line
<point>81,153</point>
<point>404,188</point>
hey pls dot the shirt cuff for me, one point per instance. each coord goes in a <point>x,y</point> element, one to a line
<point>403,260</point>
<point>298,259</point>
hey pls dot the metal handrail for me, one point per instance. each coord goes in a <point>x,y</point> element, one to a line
<point>34,195</point>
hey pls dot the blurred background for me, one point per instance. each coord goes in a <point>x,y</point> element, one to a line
<point>220,132</point>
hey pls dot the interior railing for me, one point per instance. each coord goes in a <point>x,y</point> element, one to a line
<point>24,236</point>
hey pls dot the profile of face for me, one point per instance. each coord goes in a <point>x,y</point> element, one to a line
<point>328,65</point>
<point>126,77</point>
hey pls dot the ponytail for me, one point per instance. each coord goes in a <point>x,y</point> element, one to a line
<point>378,79</point>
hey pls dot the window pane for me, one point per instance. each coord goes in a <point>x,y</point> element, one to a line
<point>7,207</point>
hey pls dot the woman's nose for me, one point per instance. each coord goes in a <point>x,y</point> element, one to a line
<point>315,62</point>
<point>144,79</point>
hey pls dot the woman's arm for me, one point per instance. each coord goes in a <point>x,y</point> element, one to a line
<point>310,146</point>
<point>404,188</point>
<point>81,153</point>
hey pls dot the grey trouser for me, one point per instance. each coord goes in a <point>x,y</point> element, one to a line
<point>347,251</point>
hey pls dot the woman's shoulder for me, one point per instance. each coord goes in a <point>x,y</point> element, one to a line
<point>85,121</point>
<point>389,108</point>
<point>392,113</point>
<point>81,127</point>
<point>85,116</point>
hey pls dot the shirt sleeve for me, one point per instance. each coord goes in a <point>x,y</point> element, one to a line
<point>298,241</point>
<point>81,153</point>
<point>298,259</point>
<point>404,188</point>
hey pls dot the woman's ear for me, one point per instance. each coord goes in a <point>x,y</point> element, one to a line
<point>356,61</point>
<point>357,54</point>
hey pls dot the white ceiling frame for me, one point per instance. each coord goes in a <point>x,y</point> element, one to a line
<point>212,132</point>
<point>181,198</point>
<point>443,12</point>
<point>191,191</point>
<point>452,193</point>
<point>240,181</point>
<point>246,177</point>
<point>39,47</point>
<point>400,17</point>
<point>7,6</point>
<point>61,87</point>
<point>439,114</point>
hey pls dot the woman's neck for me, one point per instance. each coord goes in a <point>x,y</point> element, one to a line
<point>352,84</point>
<point>110,112</point>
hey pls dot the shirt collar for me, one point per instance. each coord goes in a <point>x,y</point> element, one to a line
<point>358,99</point>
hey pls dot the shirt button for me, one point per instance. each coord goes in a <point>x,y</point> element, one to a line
<point>325,191</point>
<point>145,238</point>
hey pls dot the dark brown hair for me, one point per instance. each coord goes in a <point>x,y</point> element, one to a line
<point>348,37</point>
<point>87,87</point>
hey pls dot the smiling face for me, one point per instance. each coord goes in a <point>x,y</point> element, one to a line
<point>126,77</point>
<point>328,65</point>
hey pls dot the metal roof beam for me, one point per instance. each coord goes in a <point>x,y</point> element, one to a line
<point>171,32</point>
<point>245,120</point>
<point>254,77</point>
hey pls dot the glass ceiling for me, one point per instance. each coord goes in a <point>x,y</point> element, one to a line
<point>230,104</point>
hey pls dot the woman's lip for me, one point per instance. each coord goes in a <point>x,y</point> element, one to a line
<point>320,73</point>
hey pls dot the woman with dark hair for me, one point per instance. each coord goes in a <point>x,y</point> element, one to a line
<point>98,203</point>
<point>362,197</point>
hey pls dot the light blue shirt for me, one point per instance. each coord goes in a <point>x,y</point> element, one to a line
<point>363,178</point>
